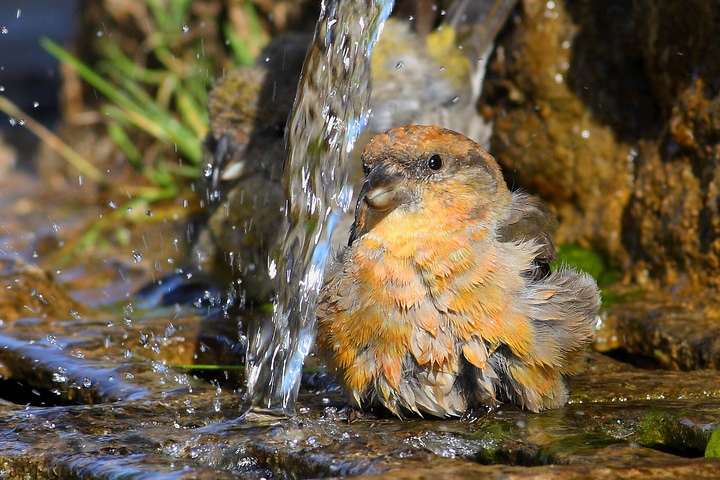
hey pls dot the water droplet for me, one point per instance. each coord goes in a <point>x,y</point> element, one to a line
<point>112,204</point>
<point>86,382</point>
<point>550,5</point>
<point>149,213</point>
<point>55,227</point>
<point>272,269</point>
<point>75,315</point>
<point>585,134</point>
<point>137,256</point>
<point>36,104</point>
<point>208,170</point>
<point>558,78</point>
<point>400,65</point>
<point>185,29</point>
<point>4,30</point>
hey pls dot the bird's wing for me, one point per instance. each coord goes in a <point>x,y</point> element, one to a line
<point>530,220</point>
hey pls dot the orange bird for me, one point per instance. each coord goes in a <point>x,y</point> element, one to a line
<point>443,300</point>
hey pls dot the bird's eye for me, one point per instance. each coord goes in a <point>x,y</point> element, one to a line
<point>435,162</point>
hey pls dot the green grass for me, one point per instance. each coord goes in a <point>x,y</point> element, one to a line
<point>168,101</point>
<point>154,105</point>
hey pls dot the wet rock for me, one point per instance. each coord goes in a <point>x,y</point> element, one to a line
<point>29,291</point>
<point>673,217</point>
<point>610,112</point>
<point>546,138</point>
<point>663,334</point>
<point>191,428</point>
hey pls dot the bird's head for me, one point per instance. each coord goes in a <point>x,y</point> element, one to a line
<point>416,167</point>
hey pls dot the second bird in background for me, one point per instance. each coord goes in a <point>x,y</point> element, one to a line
<point>432,79</point>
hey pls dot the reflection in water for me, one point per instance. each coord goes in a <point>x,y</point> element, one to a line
<point>331,110</point>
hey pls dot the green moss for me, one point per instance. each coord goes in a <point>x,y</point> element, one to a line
<point>594,264</point>
<point>671,432</point>
<point>653,429</point>
<point>588,261</point>
<point>492,437</point>
<point>712,450</point>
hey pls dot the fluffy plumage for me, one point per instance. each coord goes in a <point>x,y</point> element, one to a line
<point>443,299</point>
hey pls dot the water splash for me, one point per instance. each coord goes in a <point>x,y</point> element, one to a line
<point>330,112</point>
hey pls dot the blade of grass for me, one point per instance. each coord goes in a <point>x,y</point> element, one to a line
<point>120,65</point>
<point>97,82</point>
<point>53,141</point>
<point>125,143</point>
<point>193,115</point>
<point>209,367</point>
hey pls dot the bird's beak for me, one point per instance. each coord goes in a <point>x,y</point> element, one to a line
<point>383,189</point>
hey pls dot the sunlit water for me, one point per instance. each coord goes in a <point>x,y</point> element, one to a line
<point>330,112</point>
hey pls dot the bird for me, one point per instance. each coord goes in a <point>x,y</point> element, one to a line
<point>443,301</point>
<point>434,77</point>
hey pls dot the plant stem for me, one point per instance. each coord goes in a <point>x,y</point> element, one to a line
<point>53,141</point>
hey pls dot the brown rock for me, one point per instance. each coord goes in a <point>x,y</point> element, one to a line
<point>611,112</point>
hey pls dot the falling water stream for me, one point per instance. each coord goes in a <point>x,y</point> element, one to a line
<point>331,110</point>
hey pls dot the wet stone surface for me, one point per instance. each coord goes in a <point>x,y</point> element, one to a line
<point>146,417</point>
